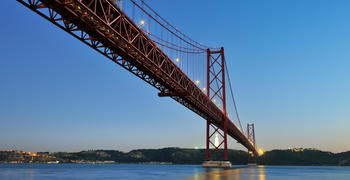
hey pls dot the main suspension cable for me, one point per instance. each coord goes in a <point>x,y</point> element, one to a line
<point>200,44</point>
<point>170,43</point>
<point>233,98</point>
<point>164,26</point>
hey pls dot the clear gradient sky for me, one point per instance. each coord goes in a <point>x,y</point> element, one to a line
<point>289,63</point>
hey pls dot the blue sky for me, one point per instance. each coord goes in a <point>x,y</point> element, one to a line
<point>289,65</point>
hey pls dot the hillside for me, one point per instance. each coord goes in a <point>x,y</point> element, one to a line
<point>179,156</point>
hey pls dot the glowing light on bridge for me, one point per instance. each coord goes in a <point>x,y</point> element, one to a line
<point>260,152</point>
<point>197,82</point>
<point>177,59</point>
<point>142,22</point>
<point>204,89</point>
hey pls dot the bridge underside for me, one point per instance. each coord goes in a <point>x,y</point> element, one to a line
<point>101,25</point>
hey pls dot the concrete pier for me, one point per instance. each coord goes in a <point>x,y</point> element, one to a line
<point>252,164</point>
<point>217,164</point>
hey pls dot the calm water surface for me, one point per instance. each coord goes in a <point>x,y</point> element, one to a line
<point>169,172</point>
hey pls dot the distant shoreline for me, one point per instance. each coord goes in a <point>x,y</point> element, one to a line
<point>169,164</point>
<point>168,156</point>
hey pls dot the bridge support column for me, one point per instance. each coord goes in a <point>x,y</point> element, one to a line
<point>251,137</point>
<point>251,158</point>
<point>217,94</point>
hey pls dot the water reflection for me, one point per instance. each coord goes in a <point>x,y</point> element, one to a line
<point>236,173</point>
<point>31,174</point>
<point>261,172</point>
<point>171,172</point>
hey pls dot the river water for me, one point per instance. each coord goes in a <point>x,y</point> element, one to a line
<point>169,172</point>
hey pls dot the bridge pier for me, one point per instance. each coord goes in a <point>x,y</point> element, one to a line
<point>217,164</point>
<point>251,154</point>
<point>251,159</point>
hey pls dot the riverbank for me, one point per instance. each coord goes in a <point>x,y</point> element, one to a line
<point>295,157</point>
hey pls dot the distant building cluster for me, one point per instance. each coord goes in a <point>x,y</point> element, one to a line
<point>15,156</point>
<point>301,149</point>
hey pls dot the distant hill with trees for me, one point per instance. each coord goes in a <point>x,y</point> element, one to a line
<point>304,157</point>
<point>300,156</point>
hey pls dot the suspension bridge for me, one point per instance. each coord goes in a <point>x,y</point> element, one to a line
<point>136,37</point>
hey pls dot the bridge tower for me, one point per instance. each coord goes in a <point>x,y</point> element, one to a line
<point>251,138</point>
<point>217,94</point>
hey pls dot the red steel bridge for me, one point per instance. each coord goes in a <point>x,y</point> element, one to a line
<point>135,36</point>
